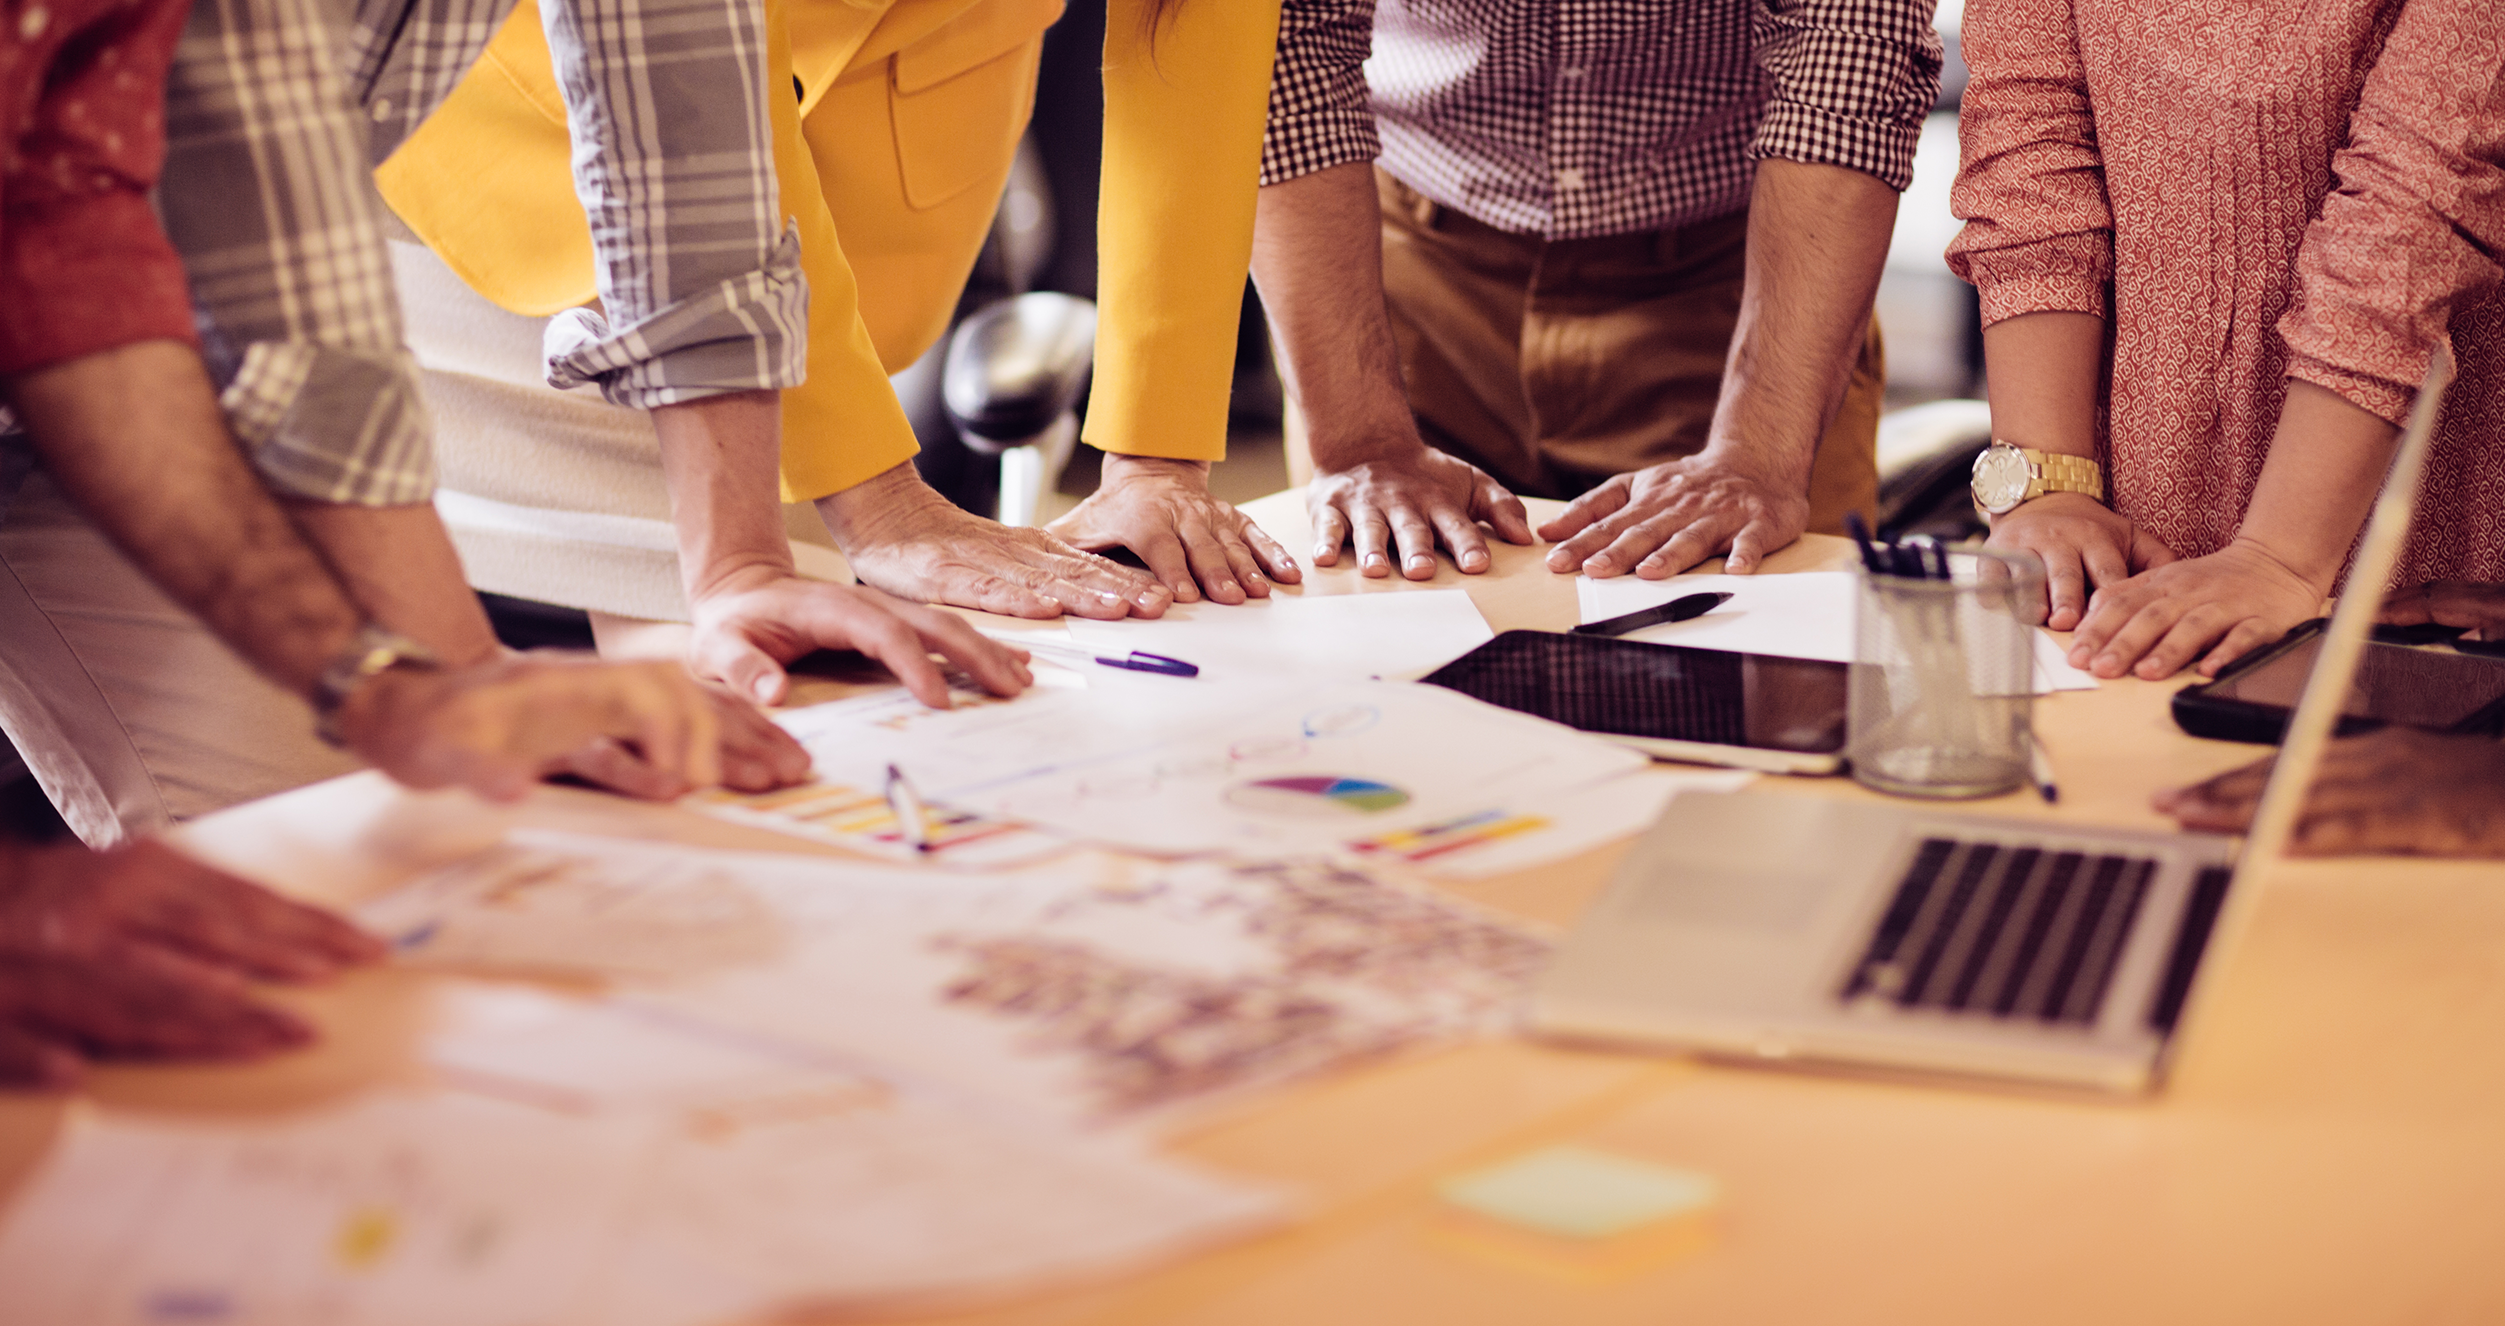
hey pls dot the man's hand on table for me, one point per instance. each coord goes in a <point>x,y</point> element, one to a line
<point>907,540</point>
<point>2396,790</point>
<point>755,622</point>
<point>144,953</point>
<point>1193,543</point>
<point>1661,520</point>
<point>1413,500</point>
<point>499,727</point>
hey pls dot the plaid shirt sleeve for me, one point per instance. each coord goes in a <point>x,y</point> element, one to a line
<point>1851,82</point>
<point>1319,116</point>
<point>265,194</point>
<point>701,287</point>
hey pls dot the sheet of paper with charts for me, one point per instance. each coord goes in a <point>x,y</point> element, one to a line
<point>1096,991</point>
<point>1170,766</point>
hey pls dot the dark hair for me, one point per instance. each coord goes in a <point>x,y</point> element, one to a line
<point>1158,12</point>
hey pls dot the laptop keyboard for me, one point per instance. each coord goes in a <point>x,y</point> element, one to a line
<point>2013,932</point>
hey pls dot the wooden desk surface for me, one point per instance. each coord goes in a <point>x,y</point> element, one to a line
<point>2332,1147</point>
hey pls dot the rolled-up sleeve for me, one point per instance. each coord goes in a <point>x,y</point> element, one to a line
<point>2039,232</point>
<point>264,193</point>
<point>2414,228</point>
<point>700,285</point>
<point>1849,83</point>
<point>1319,112</point>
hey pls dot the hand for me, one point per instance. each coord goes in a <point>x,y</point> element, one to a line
<point>1192,542</point>
<point>1664,519</point>
<point>2155,623</point>
<point>2477,607</point>
<point>2085,545</point>
<point>909,541</point>
<point>142,953</point>
<point>753,623</point>
<point>2395,790</point>
<point>1417,501</point>
<point>757,756</point>
<point>500,726</point>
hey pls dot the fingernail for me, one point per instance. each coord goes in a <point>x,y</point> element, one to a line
<point>1227,587</point>
<point>1321,550</point>
<point>1108,596</point>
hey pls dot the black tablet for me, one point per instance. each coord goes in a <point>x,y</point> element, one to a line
<point>1710,706</point>
<point>2430,687</point>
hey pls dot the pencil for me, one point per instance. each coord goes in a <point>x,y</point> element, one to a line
<point>906,805</point>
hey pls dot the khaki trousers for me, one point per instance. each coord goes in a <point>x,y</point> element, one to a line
<point>1553,365</point>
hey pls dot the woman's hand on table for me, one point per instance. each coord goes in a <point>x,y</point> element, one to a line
<point>1193,543</point>
<point>2085,546</point>
<point>2396,790</point>
<point>1412,501</point>
<point>144,953</point>
<point>2206,609</point>
<point>906,540</point>
<point>2476,607</point>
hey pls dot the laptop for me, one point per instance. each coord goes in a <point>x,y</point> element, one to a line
<point>1898,937</point>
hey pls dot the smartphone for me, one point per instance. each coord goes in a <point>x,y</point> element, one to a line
<point>2424,686</point>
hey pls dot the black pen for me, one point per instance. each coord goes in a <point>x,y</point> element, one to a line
<point>1860,530</point>
<point>1676,610</point>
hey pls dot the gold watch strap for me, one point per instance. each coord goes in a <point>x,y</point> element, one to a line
<point>2061,472</point>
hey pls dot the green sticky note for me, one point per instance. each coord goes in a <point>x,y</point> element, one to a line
<point>1577,1192</point>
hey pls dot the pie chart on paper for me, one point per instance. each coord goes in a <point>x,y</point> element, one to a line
<point>1313,795</point>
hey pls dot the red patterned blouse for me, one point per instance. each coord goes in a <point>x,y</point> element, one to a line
<point>2262,189</point>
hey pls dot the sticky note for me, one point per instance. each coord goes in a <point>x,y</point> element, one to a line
<point>1577,1192</point>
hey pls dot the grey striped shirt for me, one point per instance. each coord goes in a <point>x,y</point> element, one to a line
<point>275,113</point>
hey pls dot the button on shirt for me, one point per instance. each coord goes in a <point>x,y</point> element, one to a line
<point>1575,118</point>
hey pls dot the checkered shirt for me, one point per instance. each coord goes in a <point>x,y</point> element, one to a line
<point>266,192</point>
<point>1575,118</point>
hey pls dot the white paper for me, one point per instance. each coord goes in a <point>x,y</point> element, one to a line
<point>891,1203</point>
<point>516,907</point>
<point>438,1211</point>
<point>1090,991</point>
<point>1301,773</point>
<point>1548,828</point>
<point>1804,615</point>
<point>1180,767</point>
<point>1400,635</point>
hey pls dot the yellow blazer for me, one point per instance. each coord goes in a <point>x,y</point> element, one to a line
<point>895,149</point>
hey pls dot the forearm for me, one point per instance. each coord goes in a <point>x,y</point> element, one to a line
<point>398,564</point>
<point>135,438</point>
<point>2326,464</point>
<point>719,457</point>
<point>2045,370</point>
<point>1817,237</point>
<point>1318,261</point>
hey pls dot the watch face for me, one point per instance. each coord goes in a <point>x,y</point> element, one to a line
<point>2001,475</point>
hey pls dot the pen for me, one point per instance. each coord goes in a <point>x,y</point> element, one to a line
<point>1135,661</point>
<point>1676,610</point>
<point>1861,534</point>
<point>2040,769</point>
<point>906,805</point>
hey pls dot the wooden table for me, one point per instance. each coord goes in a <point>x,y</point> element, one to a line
<point>2331,1149</point>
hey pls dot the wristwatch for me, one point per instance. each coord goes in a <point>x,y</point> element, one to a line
<point>372,651</point>
<point>2005,476</point>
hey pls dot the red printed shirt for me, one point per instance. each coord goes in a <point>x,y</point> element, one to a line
<point>84,266</point>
